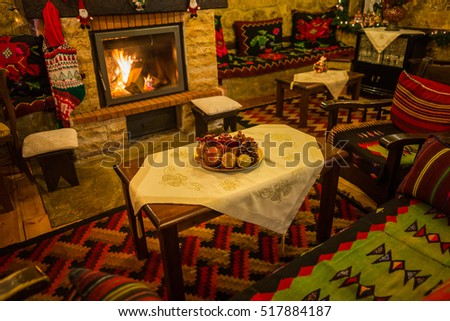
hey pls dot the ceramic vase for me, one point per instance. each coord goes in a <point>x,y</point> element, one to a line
<point>393,15</point>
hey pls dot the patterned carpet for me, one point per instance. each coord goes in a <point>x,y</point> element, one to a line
<point>220,257</point>
<point>317,117</point>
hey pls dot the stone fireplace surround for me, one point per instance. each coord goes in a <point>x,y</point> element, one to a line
<point>96,125</point>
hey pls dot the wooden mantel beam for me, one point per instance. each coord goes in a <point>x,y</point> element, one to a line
<point>33,9</point>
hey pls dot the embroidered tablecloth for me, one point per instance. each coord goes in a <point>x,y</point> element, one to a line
<point>334,80</point>
<point>269,195</point>
<point>381,39</point>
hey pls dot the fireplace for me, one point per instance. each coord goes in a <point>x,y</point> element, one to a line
<point>141,63</point>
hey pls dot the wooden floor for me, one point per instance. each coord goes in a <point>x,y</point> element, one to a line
<point>29,218</point>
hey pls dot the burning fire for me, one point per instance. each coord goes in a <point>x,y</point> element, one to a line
<point>124,66</point>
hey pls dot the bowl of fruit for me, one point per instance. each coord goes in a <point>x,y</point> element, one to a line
<point>227,152</point>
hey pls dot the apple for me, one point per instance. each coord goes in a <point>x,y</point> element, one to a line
<point>212,156</point>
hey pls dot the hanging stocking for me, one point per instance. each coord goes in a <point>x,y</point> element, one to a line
<point>62,66</point>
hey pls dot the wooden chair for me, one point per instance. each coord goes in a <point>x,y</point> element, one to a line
<point>382,150</point>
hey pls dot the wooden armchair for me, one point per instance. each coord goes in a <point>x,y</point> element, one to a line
<point>383,150</point>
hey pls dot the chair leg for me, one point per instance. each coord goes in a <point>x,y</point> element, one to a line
<point>5,199</point>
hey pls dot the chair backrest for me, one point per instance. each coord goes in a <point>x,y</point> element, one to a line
<point>5,97</point>
<point>434,70</point>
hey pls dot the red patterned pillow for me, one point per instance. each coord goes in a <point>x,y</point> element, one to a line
<point>421,105</point>
<point>99,286</point>
<point>313,30</point>
<point>429,178</point>
<point>258,37</point>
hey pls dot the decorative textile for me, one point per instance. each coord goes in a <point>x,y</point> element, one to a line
<point>220,257</point>
<point>401,252</point>
<point>441,293</point>
<point>381,39</point>
<point>257,37</point>
<point>361,140</point>
<point>52,26</point>
<point>334,80</point>
<point>313,30</point>
<point>99,286</point>
<point>67,87</point>
<point>429,178</point>
<point>282,59</point>
<point>221,48</point>
<point>268,195</point>
<point>421,105</point>
<point>23,58</point>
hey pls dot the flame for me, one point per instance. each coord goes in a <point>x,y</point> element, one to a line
<point>124,62</point>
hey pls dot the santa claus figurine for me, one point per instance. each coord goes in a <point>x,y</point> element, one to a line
<point>83,17</point>
<point>193,7</point>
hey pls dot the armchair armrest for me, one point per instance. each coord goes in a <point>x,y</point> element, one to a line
<point>400,140</point>
<point>333,107</point>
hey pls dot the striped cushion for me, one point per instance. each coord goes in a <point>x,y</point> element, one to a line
<point>421,105</point>
<point>429,178</point>
<point>99,286</point>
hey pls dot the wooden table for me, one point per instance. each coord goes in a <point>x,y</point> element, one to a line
<point>170,219</point>
<point>306,89</point>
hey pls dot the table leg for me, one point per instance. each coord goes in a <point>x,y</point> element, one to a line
<point>304,105</point>
<point>330,179</point>
<point>280,99</point>
<point>170,255</point>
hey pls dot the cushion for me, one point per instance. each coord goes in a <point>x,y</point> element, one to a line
<point>22,56</point>
<point>257,37</point>
<point>99,286</point>
<point>216,104</point>
<point>221,48</point>
<point>312,30</point>
<point>421,105</point>
<point>49,141</point>
<point>429,178</point>
<point>4,130</point>
<point>440,293</point>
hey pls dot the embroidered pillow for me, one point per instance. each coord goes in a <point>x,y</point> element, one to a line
<point>312,30</point>
<point>429,178</point>
<point>23,58</point>
<point>420,105</point>
<point>221,48</point>
<point>258,37</point>
<point>99,286</point>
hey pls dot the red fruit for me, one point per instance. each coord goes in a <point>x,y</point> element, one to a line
<point>212,157</point>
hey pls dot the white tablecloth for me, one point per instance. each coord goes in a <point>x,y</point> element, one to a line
<point>269,195</point>
<point>335,80</point>
<point>381,39</point>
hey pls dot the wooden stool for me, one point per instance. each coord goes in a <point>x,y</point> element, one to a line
<point>54,151</point>
<point>211,108</point>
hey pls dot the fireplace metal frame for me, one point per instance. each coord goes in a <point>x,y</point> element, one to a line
<point>102,83</point>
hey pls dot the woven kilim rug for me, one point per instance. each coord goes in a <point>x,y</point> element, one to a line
<point>317,117</point>
<point>220,257</point>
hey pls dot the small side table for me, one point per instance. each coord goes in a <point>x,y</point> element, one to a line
<point>306,89</point>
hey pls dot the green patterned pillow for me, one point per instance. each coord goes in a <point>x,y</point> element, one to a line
<point>258,37</point>
<point>99,286</point>
<point>429,178</point>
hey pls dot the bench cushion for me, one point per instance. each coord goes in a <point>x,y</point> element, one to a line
<point>49,141</point>
<point>216,104</point>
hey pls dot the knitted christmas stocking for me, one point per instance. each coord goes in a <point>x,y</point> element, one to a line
<point>65,80</point>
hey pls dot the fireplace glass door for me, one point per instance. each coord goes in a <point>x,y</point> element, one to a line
<point>140,63</point>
